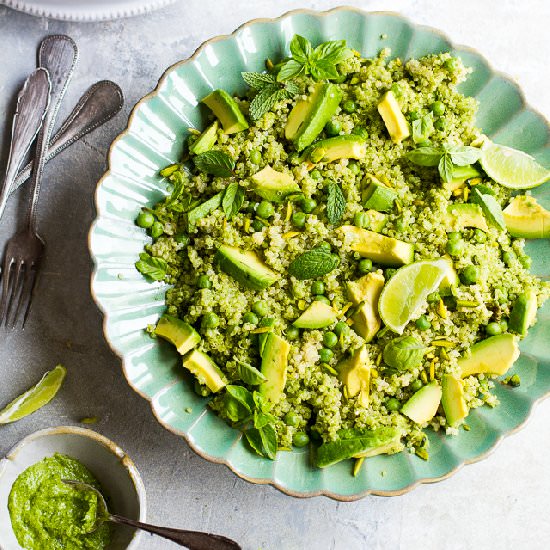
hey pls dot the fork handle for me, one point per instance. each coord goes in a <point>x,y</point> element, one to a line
<point>32,104</point>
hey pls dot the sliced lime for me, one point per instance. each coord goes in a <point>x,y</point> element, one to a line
<point>34,398</point>
<point>404,297</point>
<point>512,168</point>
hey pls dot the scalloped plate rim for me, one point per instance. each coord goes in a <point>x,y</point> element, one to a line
<point>105,313</point>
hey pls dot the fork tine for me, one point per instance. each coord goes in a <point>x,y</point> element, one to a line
<point>6,279</point>
<point>15,295</point>
<point>27,295</point>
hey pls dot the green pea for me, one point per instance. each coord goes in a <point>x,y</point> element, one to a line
<point>330,339</point>
<point>393,404</point>
<point>454,248</point>
<point>257,225</point>
<point>210,320</point>
<point>360,131</point>
<point>265,210</point>
<point>365,266</point>
<point>454,236</point>
<point>480,236</point>
<point>321,298</point>
<point>325,355</point>
<point>414,115</point>
<point>492,329</point>
<point>333,128</point>
<point>354,168</point>
<point>422,323</point>
<point>316,175</point>
<point>204,282</point>
<point>292,333</point>
<point>299,219</point>
<point>200,389</point>
<point>317,287</point>
<point>255,156</point>
<point>503,325</point>
<point>292,419</point>
<point>145,219</point>
<point>261,308</point>
<point>389,272</point>
<point>416,385</point>
<point>361,219</point>
<point>508,258</point>
<point>340,328</point>
<point>308,205</point>
<point>157,230</point>
<point>470,275</point>
<point>300,439</point>
<point>437,108</point>
<point>451,64</point>
<point>182,238</point>
<point>440,124</point>
<point>250,317</point>
<point>324,246</point>
<point>525,261</point>
<point>349,106</point>
<point>433,298</point>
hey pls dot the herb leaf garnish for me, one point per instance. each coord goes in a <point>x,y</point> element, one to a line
<point>313,263</point>
<point>490,207</point>
<point>336,203</point>
<point>249,374</point>
<point>233,199</point>
<point>203,210</point>
<point>152,267</point>
<point>216,163</point>
<point>423,128</point>
<point>320,62</point>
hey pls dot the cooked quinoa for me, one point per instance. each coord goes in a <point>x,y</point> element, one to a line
<point>314,395</point>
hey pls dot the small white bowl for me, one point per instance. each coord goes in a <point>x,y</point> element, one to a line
<point>115,471</point>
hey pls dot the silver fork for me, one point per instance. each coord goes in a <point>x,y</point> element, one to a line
<point>24,251</point>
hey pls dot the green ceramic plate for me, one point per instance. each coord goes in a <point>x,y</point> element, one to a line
<point>154,138</point>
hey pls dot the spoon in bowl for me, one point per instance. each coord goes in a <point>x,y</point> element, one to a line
<point>194,540</point>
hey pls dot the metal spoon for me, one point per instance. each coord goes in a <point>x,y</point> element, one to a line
<point>100,103</point>
<point>194,540</point>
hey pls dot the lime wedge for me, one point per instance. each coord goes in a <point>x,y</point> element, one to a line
<point>36,397</point>
<point>512,168</point>
<point>403,298</point>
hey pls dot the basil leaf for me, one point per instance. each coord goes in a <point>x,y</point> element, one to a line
<point>425,156</point>
<point>323,69</point>
<point>203,210</point>
<point>261,402</point>
<point>290,69</point>
<point>313,263</point>
<point>422,128</point>
<point>154,268</point>
<point>445,167</point>
<point>233,199</point>
<point>464,155</point>
<point>249,374</point>
<point>262,419</point>
<point>300,48</point>
<point>336,203</point>
<point>490,207</point>
<point>238,403</point>
<point>404,353</point>
<point>334,51</point>
<point>263,440</point>
<point>264,101</point>
<point>257,81</point>
<point>216,163</point>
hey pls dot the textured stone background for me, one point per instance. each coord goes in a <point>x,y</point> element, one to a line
<point>499,503</point>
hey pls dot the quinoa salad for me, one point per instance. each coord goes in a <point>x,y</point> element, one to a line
<point>344,251</point>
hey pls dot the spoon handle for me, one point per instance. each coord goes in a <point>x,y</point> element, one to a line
<point>101,102</point>
<point>192,539</point>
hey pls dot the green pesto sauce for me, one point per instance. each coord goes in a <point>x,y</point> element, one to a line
<point>46,514</point>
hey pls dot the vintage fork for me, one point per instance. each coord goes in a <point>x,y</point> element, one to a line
<point>57,55</point>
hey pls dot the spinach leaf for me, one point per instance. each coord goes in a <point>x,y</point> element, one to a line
<point>313,263</point>
<point>152,267</point>
<point>233,199</point>
<point>404,353</point>
<point>216,163</point>
<point>336,203</point>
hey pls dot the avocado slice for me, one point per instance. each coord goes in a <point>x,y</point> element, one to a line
<point>393,118</point>
<point>524,312</point>
<point>354,373</point>
<point>177,332</point>
<point>377,247</point>
<point>526,218</point>
<point>465,215</point>
<point>245,267</point>
<point>422,406</point>
<point>309,116</point>
<point>450,278</point>
<point>274,186</point>
<point>205,370</point>
<point>461,174</point>
<point>274,365</point>
<point>206,140</point>
<point>317,315</point>
<point>378,196</point>
<point>262,336</point>
<point>226,110</point>
<point>452,399</point>
<point>365,289</point>
<point>340,147</point>
<point>365,293</point>
<point>377,220</point>
<point>494,355</point>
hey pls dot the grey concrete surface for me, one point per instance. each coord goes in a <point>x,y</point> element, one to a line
<point>499,503</point>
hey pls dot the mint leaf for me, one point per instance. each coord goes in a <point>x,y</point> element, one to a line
<point>203,210</point>
<point>233,199</point>
<point>257,81</point>
<point>425,156</point>
<point>336,203</point>
<point>154,268</point>
<point>423,128</point>
<point>490,206</point>
<point>216,163</point>
<point>300,48</point>
<point>263,440</point>
<point>313,263</point>
<point>292,88</point>
<point>463,155</point>
<point>334,51</point>
<point>445,167</point>
<point>264,100</point>
<point>249,374</point>
<point>290,69</point>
